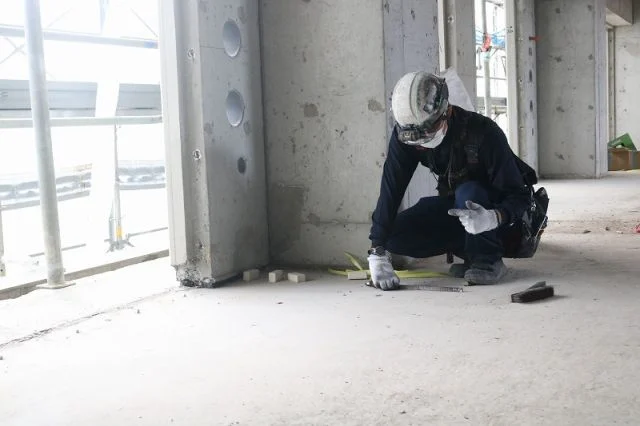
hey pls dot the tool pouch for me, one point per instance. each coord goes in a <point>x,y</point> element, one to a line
<point>521,238</point>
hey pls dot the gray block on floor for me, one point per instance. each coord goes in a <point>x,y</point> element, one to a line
<point>250,275</point>
<point>275,276</point>
<point>297,277</point>
<point>357,275</point>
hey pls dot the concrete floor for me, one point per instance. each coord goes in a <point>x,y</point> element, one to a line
<point>335,352</point>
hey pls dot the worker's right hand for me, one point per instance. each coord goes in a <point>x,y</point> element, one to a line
<point>382,274</point>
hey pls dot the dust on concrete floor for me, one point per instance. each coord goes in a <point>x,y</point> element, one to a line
<point>335,352</point>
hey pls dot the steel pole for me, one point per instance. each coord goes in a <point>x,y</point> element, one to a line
<point>26,123</point>
<point>44,150</point>
<point>485,66</point>
<point>116,212</point>
<point>3,267</point>
<point>142,43</point>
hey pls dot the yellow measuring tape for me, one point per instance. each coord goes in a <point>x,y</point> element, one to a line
<point>355,261</point>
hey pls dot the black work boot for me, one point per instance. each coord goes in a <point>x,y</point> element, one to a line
<point>485,273</point>
<point>458,270</point>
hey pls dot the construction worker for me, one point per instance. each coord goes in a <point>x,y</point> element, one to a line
<point>480,186</point>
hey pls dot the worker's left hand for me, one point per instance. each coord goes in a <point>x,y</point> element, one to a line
<point>475,218</point>
<point>382,274</point>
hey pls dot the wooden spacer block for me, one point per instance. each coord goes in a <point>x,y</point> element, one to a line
<point>250,275</point>
<point>275,276</point>
<point>357,275</point>
<point>297,277</point>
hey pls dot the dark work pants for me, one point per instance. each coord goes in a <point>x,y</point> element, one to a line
<point>427,230</point>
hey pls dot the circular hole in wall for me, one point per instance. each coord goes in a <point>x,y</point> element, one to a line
<point>231,38</point>
<point>235,108</point>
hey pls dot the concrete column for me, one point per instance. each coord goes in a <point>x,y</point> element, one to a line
<point>212,106</point>
<point>410,44</point>
<point>627,89</point>
<point>458,46</point>
<point>328,78</point>
<point>521,75</point>
<point>572,84</point>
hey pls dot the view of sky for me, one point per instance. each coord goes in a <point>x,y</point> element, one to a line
<point>67,61</point>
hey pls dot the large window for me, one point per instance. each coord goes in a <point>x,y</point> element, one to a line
<point>81,75</point>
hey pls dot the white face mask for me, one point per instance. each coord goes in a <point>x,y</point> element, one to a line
<point>436,140</point>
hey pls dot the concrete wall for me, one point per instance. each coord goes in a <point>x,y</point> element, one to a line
<point>627,64</point>
<point>571,64</point>
<point>325,125</point>
<point>326,90</point>
<point>619,12</point>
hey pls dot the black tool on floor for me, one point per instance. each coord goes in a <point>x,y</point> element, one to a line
<point>538,291</point>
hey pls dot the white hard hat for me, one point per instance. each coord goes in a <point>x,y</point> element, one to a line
<point>419,99</point>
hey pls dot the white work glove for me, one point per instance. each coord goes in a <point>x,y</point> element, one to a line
<point>476,219</point>
<point>382,273</point>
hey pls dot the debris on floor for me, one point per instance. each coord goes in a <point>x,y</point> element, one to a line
<point>538,291</point>
<point>637,229</point>
<point>586,231</point>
